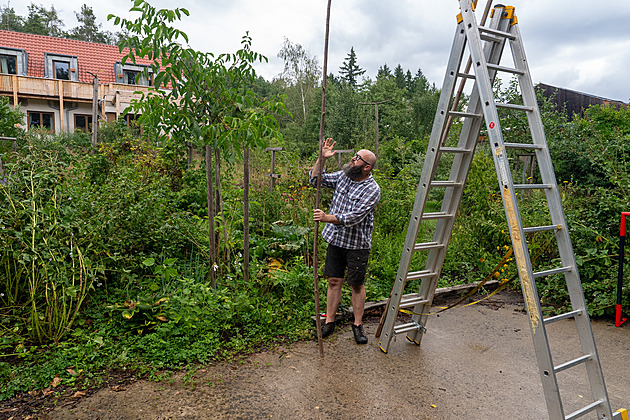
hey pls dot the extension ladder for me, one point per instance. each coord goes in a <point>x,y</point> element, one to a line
<point>485,46</point>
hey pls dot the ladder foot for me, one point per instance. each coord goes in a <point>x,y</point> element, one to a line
<point>621,414</point>
<point>417,343</point>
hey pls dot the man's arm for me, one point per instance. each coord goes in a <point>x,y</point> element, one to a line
<point>320,216</point>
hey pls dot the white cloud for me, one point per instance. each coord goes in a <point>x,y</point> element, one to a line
<point>573,44</point>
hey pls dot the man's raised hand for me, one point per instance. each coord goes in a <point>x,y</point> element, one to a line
<point>327,148</point>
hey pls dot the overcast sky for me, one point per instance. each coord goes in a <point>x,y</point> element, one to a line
<point>582,45</point>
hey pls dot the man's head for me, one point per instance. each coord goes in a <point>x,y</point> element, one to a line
<point>360,165</point>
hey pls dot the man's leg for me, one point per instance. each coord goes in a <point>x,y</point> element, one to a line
<point>358,305</point>
<point>333,297</point>
<point>358,302</point>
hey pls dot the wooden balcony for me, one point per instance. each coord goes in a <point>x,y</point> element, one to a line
<point>52,89</point>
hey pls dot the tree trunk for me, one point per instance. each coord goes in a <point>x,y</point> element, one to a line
<point>246,216</point>
<point>211,211</point>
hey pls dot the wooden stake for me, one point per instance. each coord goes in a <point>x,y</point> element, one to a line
<point>318,322</point>
<point>246,215</point>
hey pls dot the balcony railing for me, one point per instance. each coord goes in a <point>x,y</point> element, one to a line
<point>40,88</point>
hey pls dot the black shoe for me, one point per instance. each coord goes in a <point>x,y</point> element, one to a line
<point>327,329</point>
<point>359,336</point>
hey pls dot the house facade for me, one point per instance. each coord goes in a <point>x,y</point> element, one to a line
<point>52,80</point>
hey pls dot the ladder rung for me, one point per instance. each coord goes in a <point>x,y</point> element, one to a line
<point>584,410</point>
<point>550,272</point>
<point>513,106</point>
<point>491,38</point>
<point>464,114</point>
<point>454,150</point>
<point>522,146</point>
<point>403,328</point>
<point>438,215</point>
<point>413,275</point>
<point>573,363</point>
<point>445,184</point>
<point>505,69</point>
<point>466,75</point>
<point>532,186</point>
<point>420,246</point>
<point>560,317</point>
<point>496,32</point>
<point>412,302</point>
<point>541,228</point>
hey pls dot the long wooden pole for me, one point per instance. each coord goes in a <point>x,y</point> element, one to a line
<point>94,111</point>
<point>318,322</point>
<point>246,215</point>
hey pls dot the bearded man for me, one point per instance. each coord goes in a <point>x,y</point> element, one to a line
<point>348,231</point>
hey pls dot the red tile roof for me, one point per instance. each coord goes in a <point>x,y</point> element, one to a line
<point>92,57</point>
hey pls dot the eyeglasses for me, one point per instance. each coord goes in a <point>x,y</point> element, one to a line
<point>358,157</point>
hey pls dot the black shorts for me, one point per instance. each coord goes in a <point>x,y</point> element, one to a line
<point>355,260</point>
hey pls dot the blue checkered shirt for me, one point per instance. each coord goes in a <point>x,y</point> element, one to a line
<point>353,204</point>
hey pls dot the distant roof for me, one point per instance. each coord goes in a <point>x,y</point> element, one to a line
<point>92,57</point>
<point>574,102</point>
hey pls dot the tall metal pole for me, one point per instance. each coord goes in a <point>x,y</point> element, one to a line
<point>318,322</point>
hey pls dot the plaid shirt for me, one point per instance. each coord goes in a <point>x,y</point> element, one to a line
<point>353,204</point>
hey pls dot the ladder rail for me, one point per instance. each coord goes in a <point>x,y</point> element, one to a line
<point>452,198</point>
<point>422,193</point>
<point>522,258</point>
<point>485,46</point>
<point>567,257</point>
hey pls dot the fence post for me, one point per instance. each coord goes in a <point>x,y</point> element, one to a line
<point>271,174</point>
<point>340,152</point>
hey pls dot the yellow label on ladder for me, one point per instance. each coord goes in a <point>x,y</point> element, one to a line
<point>519,253</point>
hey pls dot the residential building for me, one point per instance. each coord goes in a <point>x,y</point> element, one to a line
<point>52,80</point>
<point>574,102</point>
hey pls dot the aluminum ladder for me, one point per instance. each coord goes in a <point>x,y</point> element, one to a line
<point>485,45</point>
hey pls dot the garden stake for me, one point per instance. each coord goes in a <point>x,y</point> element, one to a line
<point>318,321</point>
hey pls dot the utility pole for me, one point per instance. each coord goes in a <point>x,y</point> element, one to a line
<point>376,104</point>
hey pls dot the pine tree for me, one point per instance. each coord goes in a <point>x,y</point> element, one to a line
<point>10,21</point>
<point>350,70</point>
<point>399,77</point>
<point>383,71</point>
<point>88,30</point>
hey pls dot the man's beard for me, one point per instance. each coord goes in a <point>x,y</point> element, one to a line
<point>352,172</point>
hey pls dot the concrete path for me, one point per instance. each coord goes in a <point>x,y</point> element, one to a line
<point>475,362</point>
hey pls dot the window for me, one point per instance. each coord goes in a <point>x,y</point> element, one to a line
<point>40,120</point>
<point>8,64</point>
<point>129,77</point>
<point>130,119</point>
<point>62,67</point>
<point>83,123</point>
<point>133,75</point>
<point>13,61</point>
<point>61,70</point>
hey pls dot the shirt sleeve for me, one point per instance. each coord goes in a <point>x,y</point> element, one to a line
<point>328,180</point>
